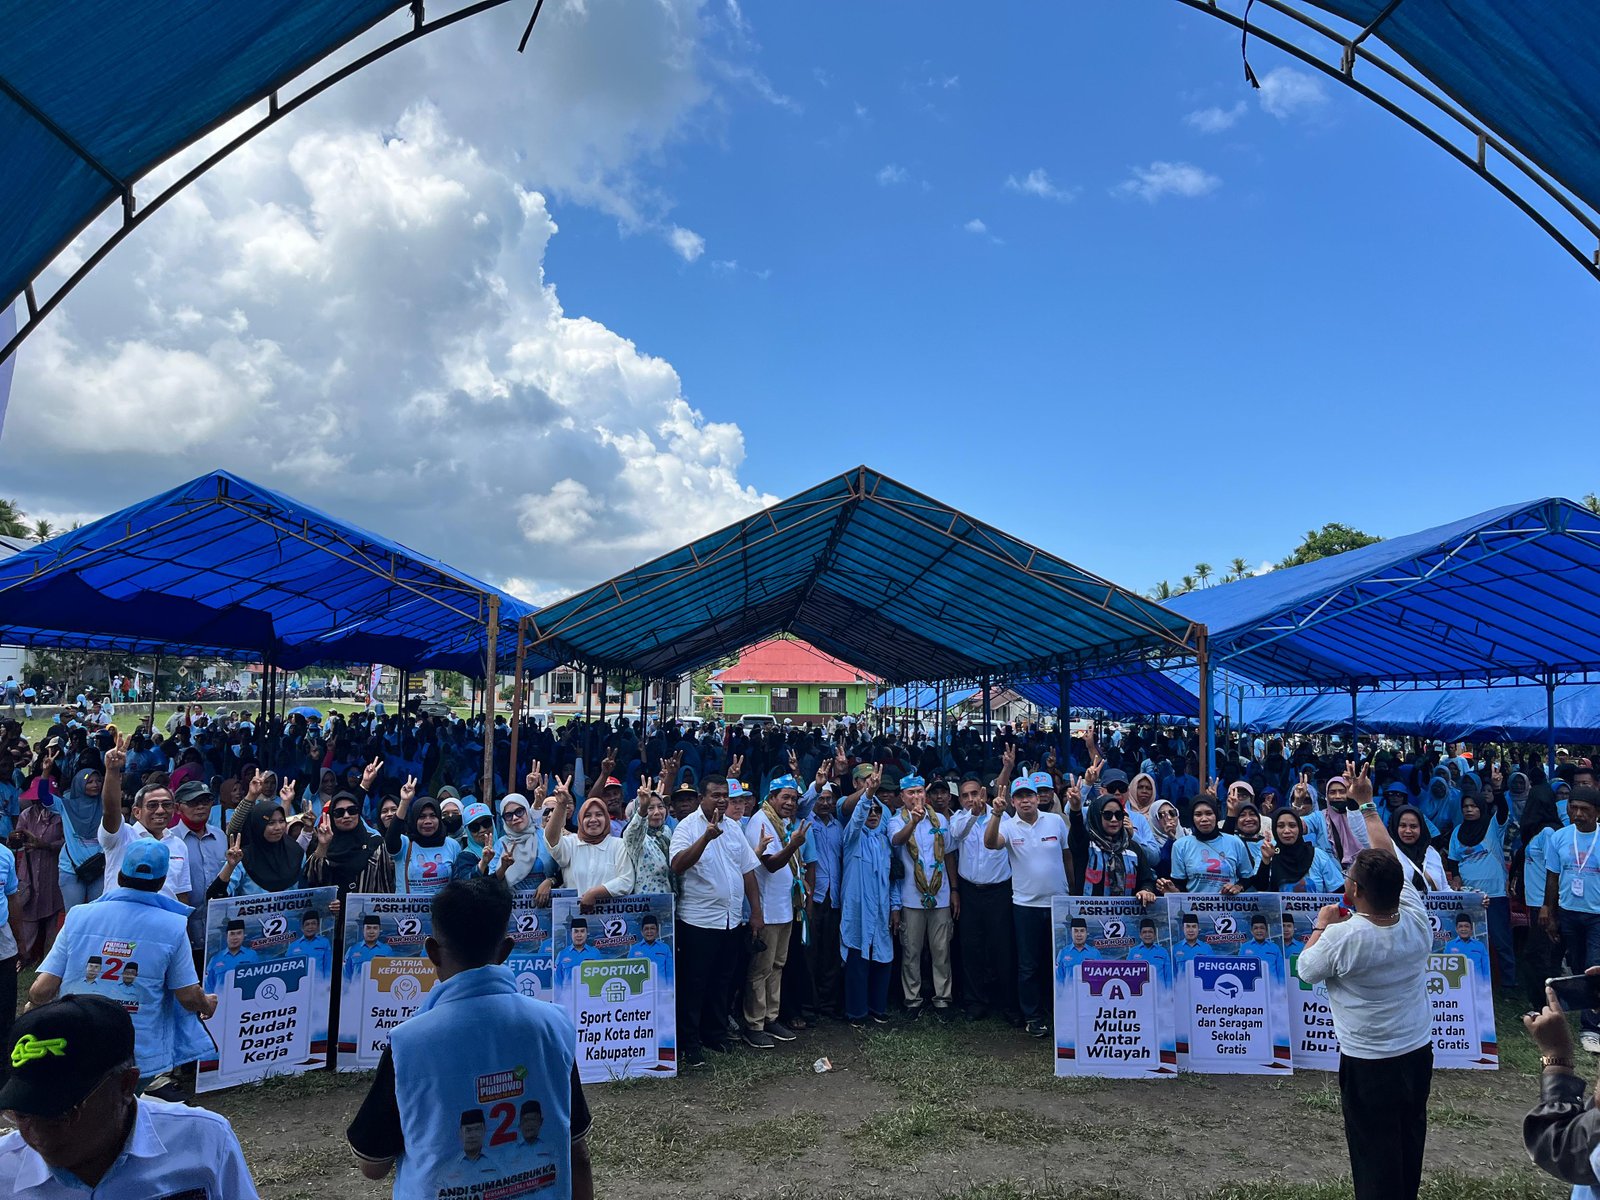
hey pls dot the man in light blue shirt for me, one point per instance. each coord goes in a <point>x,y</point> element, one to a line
<point>236,954</point>
<point>205,849</point>
<point>825,844</point>
<point>368,948</point>
<point>73,1081</point>
<point>653,949</point>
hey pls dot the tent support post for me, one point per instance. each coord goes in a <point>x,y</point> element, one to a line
<point>488,699</point>
<point>155,678</point>
<point>1061,716</point>
<point>515,770</point>
<point>1550,724</point>
<point>1207,733</point>
<point>988,719</point>
<point>644,699</point>
<point>1355,721</point>
<point>604,683</point>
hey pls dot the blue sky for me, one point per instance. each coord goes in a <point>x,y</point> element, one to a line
<point>545,316</point>
<point>1348,327</point>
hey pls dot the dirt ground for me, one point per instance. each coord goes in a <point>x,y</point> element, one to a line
<point>929,1109</point>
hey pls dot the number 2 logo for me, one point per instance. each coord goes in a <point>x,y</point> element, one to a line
<point>616,927</point>
<point>506,1113</point>
<point>1226,924</point>
<point>410,927</point>
<point>273,926</point>
<point>1113,928</point>
<point>527,923</point>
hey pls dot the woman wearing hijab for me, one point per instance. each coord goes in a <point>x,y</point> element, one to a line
<point>1167,832</point>
<point>36,909</point>
<point>81,869</point>
<point>648,843</point>
<point>475,855</point>
<point>423,853</point>
<point>1140,817</point>
<point>1245,824</point>
<point>591,860</point>
<point>263,859</point>
<point>869,914</point>
<point>1208,861</point>
<point>1477,863</point>
<point>1113,864</point>
<point>525,861</point>
<point>1290,863</point>
<point>1408,830</point>
<point>347,853</point>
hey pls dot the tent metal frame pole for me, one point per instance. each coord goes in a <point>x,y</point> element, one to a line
<point>1061,718</point>
<point>1550,724</point>
<point>602,696</point>
<point>155,679</point>
<point>514,771</point>
<point>1355,721</point>
<point>988,719</point>
<point>1207,733</point>
<point>493,632</point>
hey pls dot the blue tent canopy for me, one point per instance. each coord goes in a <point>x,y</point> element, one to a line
<point>871,572</point>
<point>1502,714</point>
<point>1139,691</point>
<point>1506,593</point>
<point>1526,71</point>
<point>221,567</point>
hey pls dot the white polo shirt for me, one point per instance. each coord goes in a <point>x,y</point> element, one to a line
<point>975,862</point>
<point>713,889</point>
<point>115,846</point>
<point>1037,869</point>
<point>172,1151</point>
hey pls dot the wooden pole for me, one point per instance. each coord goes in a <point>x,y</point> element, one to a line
<point>1207,731</point>
<point>488,700</point>
<point>514,780</point>
<point>155,677</point>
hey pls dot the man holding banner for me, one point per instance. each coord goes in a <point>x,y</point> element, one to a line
<point>1374,962</point>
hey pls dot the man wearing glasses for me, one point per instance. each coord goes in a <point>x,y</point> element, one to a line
<point>153,808</point>
<point>204,849</point>
<point>80,1129</point>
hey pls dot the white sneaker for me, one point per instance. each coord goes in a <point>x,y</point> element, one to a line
<point>1590,1041</point>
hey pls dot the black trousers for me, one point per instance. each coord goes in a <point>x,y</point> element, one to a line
<point>1034,996</point>
<point>798,996</point>
<point>827,964</point>
<point>1385,1103</point>
<point>8,1008</point>
<point>707,961</point>
<point>988,947</point>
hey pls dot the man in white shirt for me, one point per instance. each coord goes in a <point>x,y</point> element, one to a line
<point>928,909</point>
<point>1374,963</point>
<point>719,879</point>
<point>153,810</point>
<point>987,933</point>
<point>82,1131</point>
<point>775,848</point>
<point>1041,864</point>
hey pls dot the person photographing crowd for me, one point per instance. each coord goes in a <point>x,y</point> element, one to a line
<point>1371,952</point>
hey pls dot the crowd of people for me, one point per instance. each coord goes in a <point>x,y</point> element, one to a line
<point>835,872</point>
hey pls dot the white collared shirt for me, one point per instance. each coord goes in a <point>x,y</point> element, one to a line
<point>713,889</point>
<point>1038,871</point>
<point>975,862</point>
<point>172,1151</point>
<point>115,846</point>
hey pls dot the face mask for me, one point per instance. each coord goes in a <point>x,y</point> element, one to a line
<point>451,822</point>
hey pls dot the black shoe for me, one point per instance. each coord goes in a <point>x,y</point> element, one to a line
<point>942,1011</point>
<point>780,1031</point>
<point>859,1026</point>
<point>913,1012</point>
<point>693,1058</point>
<point>978,1013</point>
<point>720,1047</point>
<point>757,1040</point>
<point>880,1019</point>
<point>1037,1029</point>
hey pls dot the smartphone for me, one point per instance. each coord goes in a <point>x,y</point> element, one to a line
<point>1575,993</point>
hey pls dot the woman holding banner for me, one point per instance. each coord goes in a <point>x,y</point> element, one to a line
<point>1208,861</point>
<point>1408,829</point>
<point>1290,863</point>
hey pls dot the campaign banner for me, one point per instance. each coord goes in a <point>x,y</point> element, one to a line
<point>614,974</point>
<point>385,975</point>
<point>532,959</point>
<point>269,962</point>
<point>1231,983</point>
<point>1315,1045</point>
<point>1113,989</point>
<point>1458,983</point>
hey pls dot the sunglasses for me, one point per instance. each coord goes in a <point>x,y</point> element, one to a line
<point>1117,788</point>
<point>1111,814</point>
<point>480,826</point>
<point>346,812</point>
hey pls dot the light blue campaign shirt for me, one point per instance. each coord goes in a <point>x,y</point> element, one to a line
<point>1482,867</point>
<point>1206,866</point>
<point>1571,855</point>
<point>133,947</point>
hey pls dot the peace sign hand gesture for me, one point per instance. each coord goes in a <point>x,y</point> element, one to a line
<point>408,789</point>
<point>252,790</point>
<point>286,794</point>
<point>117,756</point>
<point>324,831</point>
<point>1360,784</point>
<point>736,768</point>
<point>369,774</point>
<point>235,852</point>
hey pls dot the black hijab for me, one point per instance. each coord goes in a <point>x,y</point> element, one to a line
<point>1291,864</point>
<point>1216,830</point>
<point>1472,832</point>
<point>427,841</point>
<point>275,866</point>
<point>351,849</point>
<point>1416,851</point>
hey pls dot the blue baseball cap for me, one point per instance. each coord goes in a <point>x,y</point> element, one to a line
<point>476,811</point>
<point>777,784</point>
<point>911,781</point>
<point>146,858</point>
<point>1042,781</point>
<point>1023,783</point>
<point>737,789</point>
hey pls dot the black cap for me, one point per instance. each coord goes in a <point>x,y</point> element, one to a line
<point>237,923</point>
<point>1078,923</point>
<point>579,923</point>
<point>59,1052</point>
<point>372,919</point>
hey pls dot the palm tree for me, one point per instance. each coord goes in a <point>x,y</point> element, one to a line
<point>1186,584</point>
<point>1241,569</point>
<point>11,520</point>
<point>43,531</point>
<point>1592,503</point>
<point>1202,571</point>
<point>1161,591</point>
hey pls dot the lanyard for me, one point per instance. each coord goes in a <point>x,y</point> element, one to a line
<point>1582,859</point>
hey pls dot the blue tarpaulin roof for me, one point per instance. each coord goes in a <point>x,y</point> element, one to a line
<point>95,93</point>
<point>871,572</point>
<point>222,567</point>
<point>1138,692</point>
<point>1506,593</point>
<point>1525,70</point>
<point>1499,714</point>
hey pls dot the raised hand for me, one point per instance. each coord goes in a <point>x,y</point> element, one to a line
<point>1269,850</point>
<point>117,756</point>
<point>252,789</point>
<point>997,806</point>
<point>799,834</point>
<point>324,831</point>
<point>736,767</point>
<point>408,790</point>
<point>286,793</point>
<point>794,763</point>
<point>534,779</point>
<point>1092,775</point>
<point>369,774</point>
<point>235,852</point>
<point>1360,784</point>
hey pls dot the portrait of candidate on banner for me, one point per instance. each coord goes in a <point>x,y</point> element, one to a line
<point>1113,988</point>
<point>614,971</point>
<point>384,972</point>
<point>1231,983</point>
<point>1458,983</point>
<point>269,962</point>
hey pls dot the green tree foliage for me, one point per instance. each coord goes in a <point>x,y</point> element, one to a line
<point>1333,538</point>
<point>13,521</point>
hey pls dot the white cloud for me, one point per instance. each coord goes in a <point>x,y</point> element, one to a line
<point>725,266</point>
<point>688,244</point>
<point>976,226</point>
<point>892,173</point>
<point>1167,179</point>
<point>861,111</point>
<point>1037,183</point>
<point>354,309</point>
<point>1214,119</point>
<point>1287,93</point>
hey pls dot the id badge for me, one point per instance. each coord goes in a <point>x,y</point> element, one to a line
<point>1577,885</point>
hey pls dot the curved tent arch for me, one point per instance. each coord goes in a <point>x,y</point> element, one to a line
<point>93,112</point>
